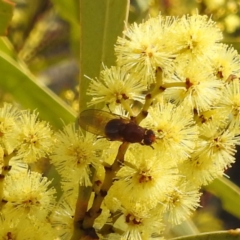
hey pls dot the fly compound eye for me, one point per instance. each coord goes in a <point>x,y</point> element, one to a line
<point>149,137</point>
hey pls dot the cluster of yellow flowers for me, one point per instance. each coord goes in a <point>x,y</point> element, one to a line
<point>173,76</point>
<point>26,198</point>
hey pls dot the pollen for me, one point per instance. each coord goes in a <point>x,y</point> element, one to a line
<point>144,177</point>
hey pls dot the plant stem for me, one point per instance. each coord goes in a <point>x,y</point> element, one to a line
<point>84,194</point>
<point>5,169</point>
<point>111,172</point>
<point>151,96</point>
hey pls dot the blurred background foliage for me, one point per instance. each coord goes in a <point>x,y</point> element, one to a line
<point>45,39</point>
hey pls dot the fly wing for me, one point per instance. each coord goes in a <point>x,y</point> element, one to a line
<point>95,120</point>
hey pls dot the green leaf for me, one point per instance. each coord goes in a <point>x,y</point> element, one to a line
<point>17,80</point>
<point>221,235</point>
<point>185,228</point>
<point>101,23</point>
<point>6,47</point>
<point>6,13</point>
<point>229,194</point>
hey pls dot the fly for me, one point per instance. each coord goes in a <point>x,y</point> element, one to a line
<point>115,127</point>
